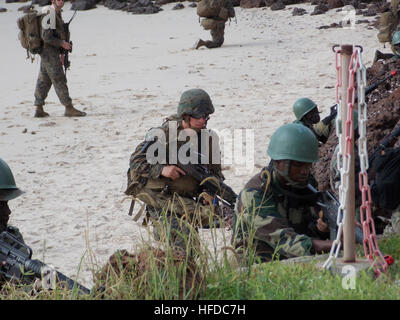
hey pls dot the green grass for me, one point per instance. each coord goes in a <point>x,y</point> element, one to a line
<point>222,279</point>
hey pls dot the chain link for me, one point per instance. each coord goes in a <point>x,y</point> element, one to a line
<point>370,245</point>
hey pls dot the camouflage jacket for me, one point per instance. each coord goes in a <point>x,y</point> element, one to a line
<point>281,221</point>
<point>53,38</point>
<point>320,130</point>
<point>141,172</point>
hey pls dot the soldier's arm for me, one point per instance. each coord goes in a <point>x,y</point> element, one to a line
<point>261,214</point>
<point>139,163</point>
<point>322,130</point>
<point>49,38</point>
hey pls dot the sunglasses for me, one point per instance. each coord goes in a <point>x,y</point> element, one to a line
<point>199,116</point>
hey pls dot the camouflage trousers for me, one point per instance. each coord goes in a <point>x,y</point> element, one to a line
<point>217,35</point>
<point>176,219</point>
<point>51,73</point>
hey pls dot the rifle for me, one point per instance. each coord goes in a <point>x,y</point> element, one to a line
<point>210,183</point>
<point>330,205</point>
<point>16,264</point>
<point>368,90</point>
<point>380,150</point>
<point>67,63</point>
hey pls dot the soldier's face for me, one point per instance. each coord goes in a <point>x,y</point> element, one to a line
<point>199,123</point>
<point>4,209</point>
<point>312,117</point>
<point>300,171</point>
<point>58,3</point>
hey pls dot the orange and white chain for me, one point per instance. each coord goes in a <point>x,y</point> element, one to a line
<point>371,248</point>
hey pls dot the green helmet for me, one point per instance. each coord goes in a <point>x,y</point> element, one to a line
<point>396,38</point>
<point>8,189</point>
<point>195,102</point>
<point>293,141</point>
<point>303,106</point>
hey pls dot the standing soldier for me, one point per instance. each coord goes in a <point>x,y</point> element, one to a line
<point>276,213</point>
<point>8,191</point>
<point>51,71</point>
<point>307,113</point>
<point>215,22</point>
<point>169,194</point>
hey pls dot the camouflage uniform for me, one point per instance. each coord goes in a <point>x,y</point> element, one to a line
<point>320,129</point>
<point>281,223</point>
<point>176,198</point>
<point>217,32</point>
<point>51,70</point>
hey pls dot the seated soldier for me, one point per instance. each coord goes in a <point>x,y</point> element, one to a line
<point>307,113</point>
<point>276,212</point>
<point>8,191</point>
<point>171,196</point>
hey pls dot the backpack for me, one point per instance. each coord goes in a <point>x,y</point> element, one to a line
<point>209,8</point>
<point>30,32</point>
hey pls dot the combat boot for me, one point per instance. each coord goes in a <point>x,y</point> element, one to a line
<point>70,111</point>
<point>199,43</point>
<point>40,113</point>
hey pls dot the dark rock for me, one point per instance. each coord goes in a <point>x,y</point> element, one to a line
<point>178,6</point>
<point>362,21</point>
<point>236,3</point>
<point>252,3</point>
<point>320,9</point>
<point>333,4</point>
<point>278,6</point>
<point>290,2</point>
<point>82,5</point>
<point>193,5</point>
<point>3,10</point>
<point>298,11</point>
<point>162,2</point>
<point>15,1</point>
<point>42,3</point>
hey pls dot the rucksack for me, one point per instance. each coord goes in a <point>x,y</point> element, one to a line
<point>209,8</point>
<point>30,32</point>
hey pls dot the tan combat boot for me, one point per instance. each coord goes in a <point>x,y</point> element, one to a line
<point>70,111</point>
<point>40,113</point>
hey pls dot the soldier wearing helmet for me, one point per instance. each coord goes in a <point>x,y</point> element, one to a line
<point>8,191</point>
<point>164,187</point>
<point>307,113</point>
<point>276,213</point>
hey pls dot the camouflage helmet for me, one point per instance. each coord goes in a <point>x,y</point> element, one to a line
<point>396,38</point>
<point>195,102</point>
<point>8,188</point>
<point>293,141</point>
<point>303,106</point>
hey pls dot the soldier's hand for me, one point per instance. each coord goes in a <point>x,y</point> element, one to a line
<point>322,226</point>
<point>321,245</point>
<point>172,172</point>
<point>66,45</point>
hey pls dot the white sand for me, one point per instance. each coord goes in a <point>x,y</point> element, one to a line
<point>128,72</point>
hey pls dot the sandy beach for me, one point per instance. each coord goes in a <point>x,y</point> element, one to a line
<point>128,72</point>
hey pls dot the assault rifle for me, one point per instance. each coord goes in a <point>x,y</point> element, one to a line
<point>385,143</point>
<point>67,63</point>
<point>368,90</point>
<point>16,263</point>
<point>330,205</point>
<point>210,183</point>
